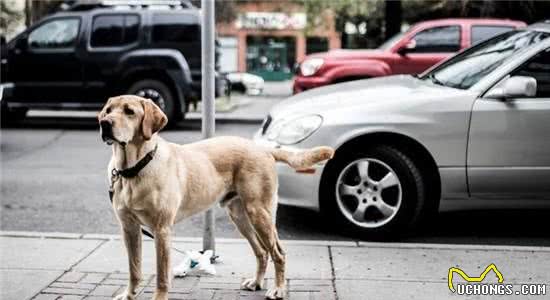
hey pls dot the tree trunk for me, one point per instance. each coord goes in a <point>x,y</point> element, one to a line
<point>393,17</point>
<point>28,13</point>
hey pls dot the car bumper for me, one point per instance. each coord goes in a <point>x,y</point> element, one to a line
<point>296,189</point>
<point>302,83</point>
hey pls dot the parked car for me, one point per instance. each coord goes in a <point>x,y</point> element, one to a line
<point>78,58</point>
<point>411,52</point>
<point>473,131</point>
<point>246,83</point>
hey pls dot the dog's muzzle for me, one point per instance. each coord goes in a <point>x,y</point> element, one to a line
<point>107,131</point>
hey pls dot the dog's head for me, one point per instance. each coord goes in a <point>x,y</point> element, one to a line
<point>128,118</point>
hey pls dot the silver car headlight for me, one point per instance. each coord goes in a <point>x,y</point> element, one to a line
<point>311,65</point>
<point>295,130</point>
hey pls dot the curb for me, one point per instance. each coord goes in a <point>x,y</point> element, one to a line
<point>320,243</point>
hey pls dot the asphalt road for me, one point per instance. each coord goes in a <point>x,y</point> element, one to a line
<point>54,179</point>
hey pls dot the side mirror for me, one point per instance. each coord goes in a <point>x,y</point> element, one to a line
<point>411,45</point>
<point>514,87</point>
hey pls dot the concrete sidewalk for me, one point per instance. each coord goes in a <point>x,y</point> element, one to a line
<point>74,266</point>
<point>247,109</point>
<point>251,109</point>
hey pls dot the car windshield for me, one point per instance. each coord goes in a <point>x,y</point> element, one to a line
<point>467,68</point>
<point>391,41</point>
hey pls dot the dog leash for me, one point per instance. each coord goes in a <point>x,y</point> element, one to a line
<point>130,173</point>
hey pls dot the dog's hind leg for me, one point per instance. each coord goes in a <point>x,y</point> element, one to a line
<point>239,217</point>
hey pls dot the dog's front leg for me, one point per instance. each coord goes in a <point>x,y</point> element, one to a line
<point>131,232</point>
<point>162,246</point>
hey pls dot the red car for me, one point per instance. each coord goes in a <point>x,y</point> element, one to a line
<point>411,52</point>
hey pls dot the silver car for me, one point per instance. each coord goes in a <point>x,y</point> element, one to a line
<point>473,131</point>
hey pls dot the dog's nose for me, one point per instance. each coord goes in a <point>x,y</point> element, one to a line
<point>105,124</point>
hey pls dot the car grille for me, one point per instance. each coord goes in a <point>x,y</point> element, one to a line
<point>265,124</point>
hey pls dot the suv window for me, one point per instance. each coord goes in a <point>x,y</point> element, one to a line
<point>437,39</point>
<point>179,28</point>
<point>114,30</point>
<point>539,68</point>
<point>485,32</point>
<point>55,34</point>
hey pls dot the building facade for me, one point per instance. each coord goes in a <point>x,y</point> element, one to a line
<point>268,38</point>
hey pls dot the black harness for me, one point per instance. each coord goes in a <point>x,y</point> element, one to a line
<point>130,173</point>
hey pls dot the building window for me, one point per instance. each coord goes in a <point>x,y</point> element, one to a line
<point>316,44</point>
<point>271,57</point>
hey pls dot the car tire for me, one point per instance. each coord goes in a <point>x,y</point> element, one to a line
<point>158,92</point>
<point>382,203</point>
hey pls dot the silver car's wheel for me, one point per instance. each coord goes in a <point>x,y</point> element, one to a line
<point>368,193</point>
<point>376,192</point>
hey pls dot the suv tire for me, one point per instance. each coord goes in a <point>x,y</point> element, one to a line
<point>382,202</point>
<point>158,92</point>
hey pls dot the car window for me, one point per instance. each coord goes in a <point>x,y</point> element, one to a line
<point>59,33</point>
<point>437,39</point>
<point>114,30</point>
<point>538,67</point>
<point>484,32</point>
<point>178,28</point>
<point>464,70</point>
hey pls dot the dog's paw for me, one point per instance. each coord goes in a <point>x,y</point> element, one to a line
<point>275,293</point>
<point>251,284</point>
<point>125,296</point>
<point>160,295</point>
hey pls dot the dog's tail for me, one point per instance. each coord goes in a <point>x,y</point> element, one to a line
<point>303,160</point>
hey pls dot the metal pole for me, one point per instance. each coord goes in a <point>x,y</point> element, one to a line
<point>208,108</point>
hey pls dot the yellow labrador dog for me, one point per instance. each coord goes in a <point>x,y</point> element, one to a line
<point>157,183</point>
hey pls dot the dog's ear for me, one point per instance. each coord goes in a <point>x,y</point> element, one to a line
<point>153,119</point>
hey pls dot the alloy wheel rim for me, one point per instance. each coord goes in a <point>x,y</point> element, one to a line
<point>368,193</point>
<point>154,95</point>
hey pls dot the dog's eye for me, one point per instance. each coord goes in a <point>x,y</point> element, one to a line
<point>128,111</point>
<point>108,110</point>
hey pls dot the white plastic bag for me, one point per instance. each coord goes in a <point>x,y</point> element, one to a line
<point>195,262</point>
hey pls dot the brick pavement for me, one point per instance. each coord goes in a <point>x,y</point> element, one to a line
<point>101,286</point>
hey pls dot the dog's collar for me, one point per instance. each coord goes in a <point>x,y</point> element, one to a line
<point>133,171</point>
<point>129,173</point>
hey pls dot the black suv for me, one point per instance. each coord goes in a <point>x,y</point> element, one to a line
<point>77,58</point>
